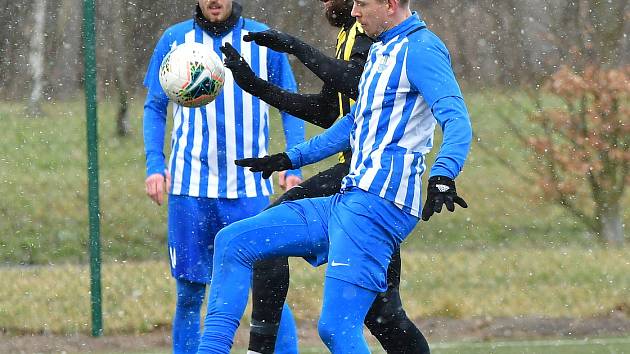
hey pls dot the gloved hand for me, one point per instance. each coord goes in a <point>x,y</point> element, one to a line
<point>267,165</point>
<point>272,39</point>
<point>243,74</point>
<point>441,190</point>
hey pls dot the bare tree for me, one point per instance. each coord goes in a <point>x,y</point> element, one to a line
<point>505,42</point>
<point>64,52</point>
<point>120,67</point>
<point>36,57</point>
<point>588,32</point>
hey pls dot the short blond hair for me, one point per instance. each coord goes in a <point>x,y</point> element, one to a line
<point>402,2</point>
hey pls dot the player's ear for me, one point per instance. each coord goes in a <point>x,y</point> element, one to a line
<point>392,6</point>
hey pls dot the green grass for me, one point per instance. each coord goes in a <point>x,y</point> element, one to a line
<point>139,297</point>
<point>595,346</point>
<point>43,184</point>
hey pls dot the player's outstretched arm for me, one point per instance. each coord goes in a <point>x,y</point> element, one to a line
<point>320,109</point>
<point>267,165</point>
<point>331,141</point>
<point>343,76</point>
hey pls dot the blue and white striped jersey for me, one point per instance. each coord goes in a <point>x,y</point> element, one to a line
<point>407,86</point>
<point>205,141</point>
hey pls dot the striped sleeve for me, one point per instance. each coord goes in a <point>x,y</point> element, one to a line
<point>155,106</point>
<point>334,139</point>
<point>433,77</point>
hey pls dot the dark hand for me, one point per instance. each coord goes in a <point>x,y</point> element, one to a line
<point>243,74</point>
<point>267,165</point>
<point>441,190</point>
<point>272,39</point>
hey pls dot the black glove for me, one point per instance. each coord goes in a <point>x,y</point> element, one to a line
<point>272,39</point>
<point>243,74</point>
<point>441,190</point>
<point>267,165</point>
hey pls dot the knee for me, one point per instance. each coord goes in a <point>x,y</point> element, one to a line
<point>326,331</point>
<point>338,334</point>
<point>191,303</point>
<point>273,272</point>
<point>232,244</point>
<point>189,294</point>
<point>226,243</point>
<point>379,323</point>
<point>223,239</point>
<point>327,327</point>
<point>386,310</point>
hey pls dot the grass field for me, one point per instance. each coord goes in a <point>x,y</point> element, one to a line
<point>595,346</point>
<point>592,346</point>
<point>44,213</point>
<point>139,297</point>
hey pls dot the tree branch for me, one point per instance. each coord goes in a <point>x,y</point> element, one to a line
<point>506,163</point>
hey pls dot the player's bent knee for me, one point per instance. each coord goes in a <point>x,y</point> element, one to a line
<point>225,241</point>
<point>384,322</point>
<point>326,332</point>
<point>233,243</point>
<point>338,335</point>
<point>385,309</point>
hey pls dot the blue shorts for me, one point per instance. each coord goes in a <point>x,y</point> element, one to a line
<point>356,232</point>
<point>363,231</point>
<point>193,222</point>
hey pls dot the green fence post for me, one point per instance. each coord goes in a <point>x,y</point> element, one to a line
<point>89,50</point>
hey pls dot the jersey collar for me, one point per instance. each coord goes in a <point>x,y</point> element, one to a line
<point>411,23</point>
<point>217,29</point>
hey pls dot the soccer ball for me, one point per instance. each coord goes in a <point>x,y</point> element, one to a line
<point>192,75</point>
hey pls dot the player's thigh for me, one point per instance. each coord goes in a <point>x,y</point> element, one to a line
<point>191,230</point>
<point>193,223</point>
<point>365,230</point>
<point>290,229</point>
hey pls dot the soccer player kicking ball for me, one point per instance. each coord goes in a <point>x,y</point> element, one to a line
<point>386,319</point>
<point>407,86</point>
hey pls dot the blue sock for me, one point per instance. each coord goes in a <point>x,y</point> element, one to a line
<point>287,341</point>
<point>343,312</point>
<point>186,330</point>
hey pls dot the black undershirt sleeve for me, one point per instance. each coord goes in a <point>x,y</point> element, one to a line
<point>342,76</point>
<point>321,109</point>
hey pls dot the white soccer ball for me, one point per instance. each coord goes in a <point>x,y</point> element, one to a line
<point>192,74</point>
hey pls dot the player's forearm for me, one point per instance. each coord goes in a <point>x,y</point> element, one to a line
<point>452,116</point>
<point>331,141</point>
<point>343,76</point>
<point>321,109</point>
<point>154,125</point>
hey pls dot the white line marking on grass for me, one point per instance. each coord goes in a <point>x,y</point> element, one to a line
<point>535,343</point>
